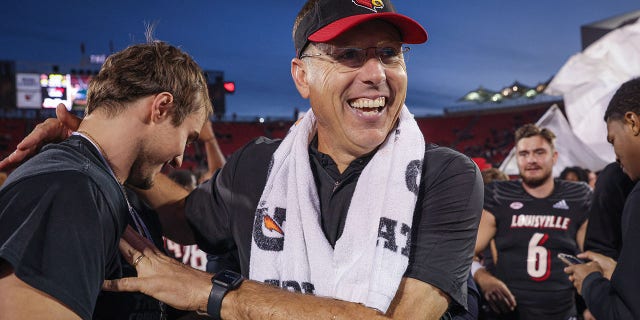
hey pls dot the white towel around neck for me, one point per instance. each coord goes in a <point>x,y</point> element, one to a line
<point>288,245</point>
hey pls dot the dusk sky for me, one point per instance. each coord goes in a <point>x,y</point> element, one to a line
<point>471,43</point>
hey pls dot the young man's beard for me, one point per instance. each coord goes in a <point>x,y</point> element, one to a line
<point>144,183</point>
<point>535,182</point>
<point>138,178</point>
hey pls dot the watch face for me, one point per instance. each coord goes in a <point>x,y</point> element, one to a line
<point>227,279</point>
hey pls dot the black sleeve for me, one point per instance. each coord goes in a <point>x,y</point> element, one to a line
<point>58,234</point>
<point>207,213</point>
<point>603,301</point>
<point>604,233</point>
<point>221,210</point>
<point>619,298</point>
<point>446,222</point>
<point>490,201</point>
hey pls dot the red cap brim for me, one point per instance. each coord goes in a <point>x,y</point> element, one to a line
<point>412,32</point>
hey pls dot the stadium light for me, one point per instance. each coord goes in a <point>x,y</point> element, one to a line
<point>229,87</point>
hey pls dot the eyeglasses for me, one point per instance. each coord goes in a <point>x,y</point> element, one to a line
<point>351,59</point>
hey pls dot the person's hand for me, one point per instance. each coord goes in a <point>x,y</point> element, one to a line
<point>578,272</point>
<point>51,130</point>
<point>607,264</point>
<point>206,133</point>
<point>499,297</point>
<point>160,276</point>
<point>586,315</point>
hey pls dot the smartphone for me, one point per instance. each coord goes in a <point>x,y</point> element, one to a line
<point>569,259</point>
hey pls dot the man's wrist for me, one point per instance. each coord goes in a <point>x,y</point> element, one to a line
<point>588,280</point>
<point>481,276</point>
<point>204,300</point>
<point>475,266</point>
<point>228,309</point>
<point>222,283</point>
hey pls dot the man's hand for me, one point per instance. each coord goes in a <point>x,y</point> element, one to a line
<point>495,292</point>
<point>161,277</point>
<point>51,130</point>
<point>578,272</point>
<point>586,315</point>
<point>607,264</point>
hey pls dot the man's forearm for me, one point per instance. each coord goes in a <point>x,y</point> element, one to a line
<point>254,300</point>
<point>258,301</point>
<point>215,158</point>
<point>168,199</point>
<point>186,288</point>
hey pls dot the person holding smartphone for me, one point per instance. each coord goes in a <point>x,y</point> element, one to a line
<point>614,294</point>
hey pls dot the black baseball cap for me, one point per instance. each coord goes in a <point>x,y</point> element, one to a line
<point>330,18</point>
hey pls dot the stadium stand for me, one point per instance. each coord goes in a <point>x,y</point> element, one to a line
<point>476,133</point>
<point>12,132</point>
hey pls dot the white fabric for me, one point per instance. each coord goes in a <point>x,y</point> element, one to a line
<point>589,79</point>
<point>475,266</point>
<point>359,269</point>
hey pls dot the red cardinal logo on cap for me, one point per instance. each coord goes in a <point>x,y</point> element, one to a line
<point>372,5</point>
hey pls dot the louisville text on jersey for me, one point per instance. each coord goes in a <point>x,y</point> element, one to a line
<point>540,221</point>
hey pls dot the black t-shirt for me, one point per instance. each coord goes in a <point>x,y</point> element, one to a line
<point>61,217</point>
<point>530,232</point>
<point>604,232</point>
<point>619,298</point>
<point>76,209</point>
<point>135,305</point>
<point>221,211</point>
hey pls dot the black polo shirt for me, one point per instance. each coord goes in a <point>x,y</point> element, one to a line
<point>334,188</point>
<point>222,210</point>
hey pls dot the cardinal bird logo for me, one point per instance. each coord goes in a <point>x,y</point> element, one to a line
<point>272,225</point>
<point>273,240</point>
<point>372,5</point>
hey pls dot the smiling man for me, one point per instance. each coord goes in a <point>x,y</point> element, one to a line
<point>352,213</point>
<point>63,212</point>
<point>532,220</point>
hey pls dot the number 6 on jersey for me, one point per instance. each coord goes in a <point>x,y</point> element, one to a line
<point>538,258</point>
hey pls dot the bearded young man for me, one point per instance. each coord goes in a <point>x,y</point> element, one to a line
<point>352,213</point>
<point>62,212</point>
<point>532,220</point>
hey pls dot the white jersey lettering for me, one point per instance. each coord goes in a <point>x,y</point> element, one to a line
<point>540,221</point>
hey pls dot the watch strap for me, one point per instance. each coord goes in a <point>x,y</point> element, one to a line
<point>222,281</point>
<point>214,305</point>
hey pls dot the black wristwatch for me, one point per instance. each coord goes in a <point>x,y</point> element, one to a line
<point>223,282</point>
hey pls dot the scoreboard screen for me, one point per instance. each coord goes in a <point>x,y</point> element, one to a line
<point>54,90</point>
<point>28,91</point>
<point>47,90</point>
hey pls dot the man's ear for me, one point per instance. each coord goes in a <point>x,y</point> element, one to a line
<point>299,75</point>
<point>633,121</point>
<point>161,106</point>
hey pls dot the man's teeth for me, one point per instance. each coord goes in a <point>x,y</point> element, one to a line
<point>368,103</point>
